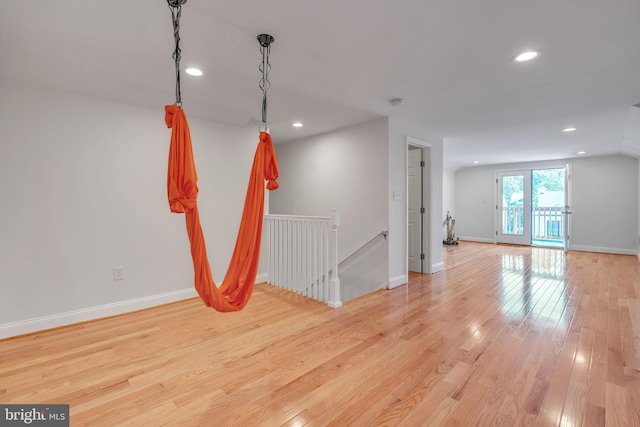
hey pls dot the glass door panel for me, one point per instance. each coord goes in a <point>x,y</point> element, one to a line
<point>514,207</point>
<point>548,207</point>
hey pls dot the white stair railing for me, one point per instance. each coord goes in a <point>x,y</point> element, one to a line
<point>300,251</point>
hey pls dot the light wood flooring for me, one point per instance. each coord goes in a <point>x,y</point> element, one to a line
<point>503,336</point>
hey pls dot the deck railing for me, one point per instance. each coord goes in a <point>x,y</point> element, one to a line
<point>512,220</point>
<point>547,223</point>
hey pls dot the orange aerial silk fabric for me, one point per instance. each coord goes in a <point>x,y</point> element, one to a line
<point>182,189</point>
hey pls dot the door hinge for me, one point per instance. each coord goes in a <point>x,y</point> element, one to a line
<point>421,163</point>
<point>421,256</point>
<point>421,210</point>
<point>496,180</point>
<point>496,232</point>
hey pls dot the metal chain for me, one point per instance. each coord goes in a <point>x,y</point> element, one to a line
<point>176,12</point>
<point>265,48</point>
<point>265,84</point>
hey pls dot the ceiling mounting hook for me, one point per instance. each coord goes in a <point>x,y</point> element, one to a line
<point>176,3</point>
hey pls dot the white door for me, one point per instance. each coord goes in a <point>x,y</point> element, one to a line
<point>414,216</point>
<point>566,217</point>
<point>514,207</point>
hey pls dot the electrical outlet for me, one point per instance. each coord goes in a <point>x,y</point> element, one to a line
<point>118,273</point>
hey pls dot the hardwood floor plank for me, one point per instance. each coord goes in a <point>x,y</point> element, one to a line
<point>594,416</point>
<point>632,390</point>
<point>551,411</point>
<point>574,404</point>
<point>435,404</point>
<point>470,407</point>
<point>616,410</point>
<point>523,383</point>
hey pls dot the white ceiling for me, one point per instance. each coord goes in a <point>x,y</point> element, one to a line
<point>339,62</point>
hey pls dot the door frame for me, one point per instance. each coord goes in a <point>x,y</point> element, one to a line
<point>416,201</point>
<point>568,197</point>
<point>566,213</point>
<point>427,182</point>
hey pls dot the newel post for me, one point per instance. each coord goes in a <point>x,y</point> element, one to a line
<point>334,285</point>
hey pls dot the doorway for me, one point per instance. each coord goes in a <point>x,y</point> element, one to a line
<point>548,207</point>
<point>418,206</point>
<point>533,207</point>
<point>415,209</point>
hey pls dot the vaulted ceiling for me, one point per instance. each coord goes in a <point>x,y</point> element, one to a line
<point>337,63</point>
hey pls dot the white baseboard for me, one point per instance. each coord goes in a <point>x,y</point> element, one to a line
<point>476,239</point>
<point>62,319</point>
<point>437,267</point>
<point>583,248</point>
<point>261,278</point>
<point>398,281</point>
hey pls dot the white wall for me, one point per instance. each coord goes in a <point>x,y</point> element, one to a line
<point>345,169</point>
<point>605,202</point>
<point>84,190</point>
<point>398,133</point>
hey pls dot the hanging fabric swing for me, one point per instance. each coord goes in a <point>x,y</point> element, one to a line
<point>236,288</point>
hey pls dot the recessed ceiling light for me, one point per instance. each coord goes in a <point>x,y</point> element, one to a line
<point>397,102</point>
<point>193,71</point>
<point>582,152</point>
<point>526,56</point>
<point>475,162</point>
<point>297,124</point>
<point>569,130</point>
